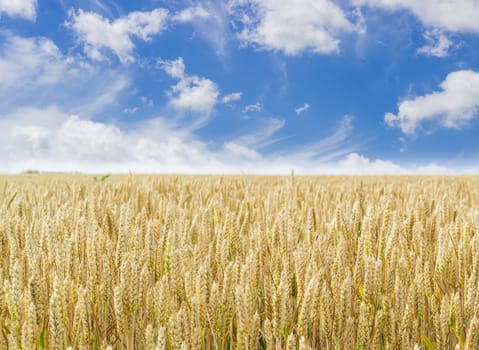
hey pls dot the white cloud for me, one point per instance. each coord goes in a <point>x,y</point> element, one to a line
<point>98,34</point>
<point>453,106</point>
<point>191,93</point>
<point>42,134</point>
<point>235,96</point>
<point>433,169</point>
<point>131,110</point>
<point>43,89</point>
<point>257,107</point>
<point>358,164</point>
<point>36,73</point>
<point>309,25</point>
<point>302,109</point>
<point>174,68</point>
<point>190,14</point>
<point>48,139</point>
<point>23,58</point>
<point>449,15</point>
<point>241,150</point>
<point>147,102</point>
<point>19,8</point>
<point>39,129</point>
<point>72,143</point>
<point>263,135</point>
<point>211,21</point>
<point>437,44</point>
<point>335,145</point>
<point>195,94</point>
<point>40,87</point>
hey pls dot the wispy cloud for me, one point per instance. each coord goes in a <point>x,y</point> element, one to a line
<point>131,110</point>
<point>36,73</point>
<point>437,44</point>
<point>334,144</point>
<point>263,134</point>
<point>215,28</point>
<point>147,102</point>
<point>235,96</point>
<point>302,109</point>
<point>257,107</point>
<point>190,14</point>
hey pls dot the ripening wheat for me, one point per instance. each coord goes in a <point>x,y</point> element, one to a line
<point>145,262</point>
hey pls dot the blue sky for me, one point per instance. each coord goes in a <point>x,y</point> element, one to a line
<point>239,86</point>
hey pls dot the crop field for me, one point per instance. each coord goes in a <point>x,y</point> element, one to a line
<point>238,262</point>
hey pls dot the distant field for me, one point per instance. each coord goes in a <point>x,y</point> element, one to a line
<point>238,262</point>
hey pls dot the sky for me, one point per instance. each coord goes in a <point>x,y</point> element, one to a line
<point>240,86</point>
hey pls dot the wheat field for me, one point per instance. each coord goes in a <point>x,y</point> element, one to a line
<point>238,262</point>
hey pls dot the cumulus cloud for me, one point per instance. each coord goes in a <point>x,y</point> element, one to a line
<point>453,106</point>
<point>191,93</point>
<point>257,107</point>
<point>71,143</point>
<point>359,164</point>
<point>26,9</point>
<point>437,44</point>
<point>98,34</point>
<point>302,109</point>
<point>309,25</point>
<point>454,16</point>
<point>195,94</point>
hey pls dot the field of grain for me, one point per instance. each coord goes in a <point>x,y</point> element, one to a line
<point>210,262</point>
